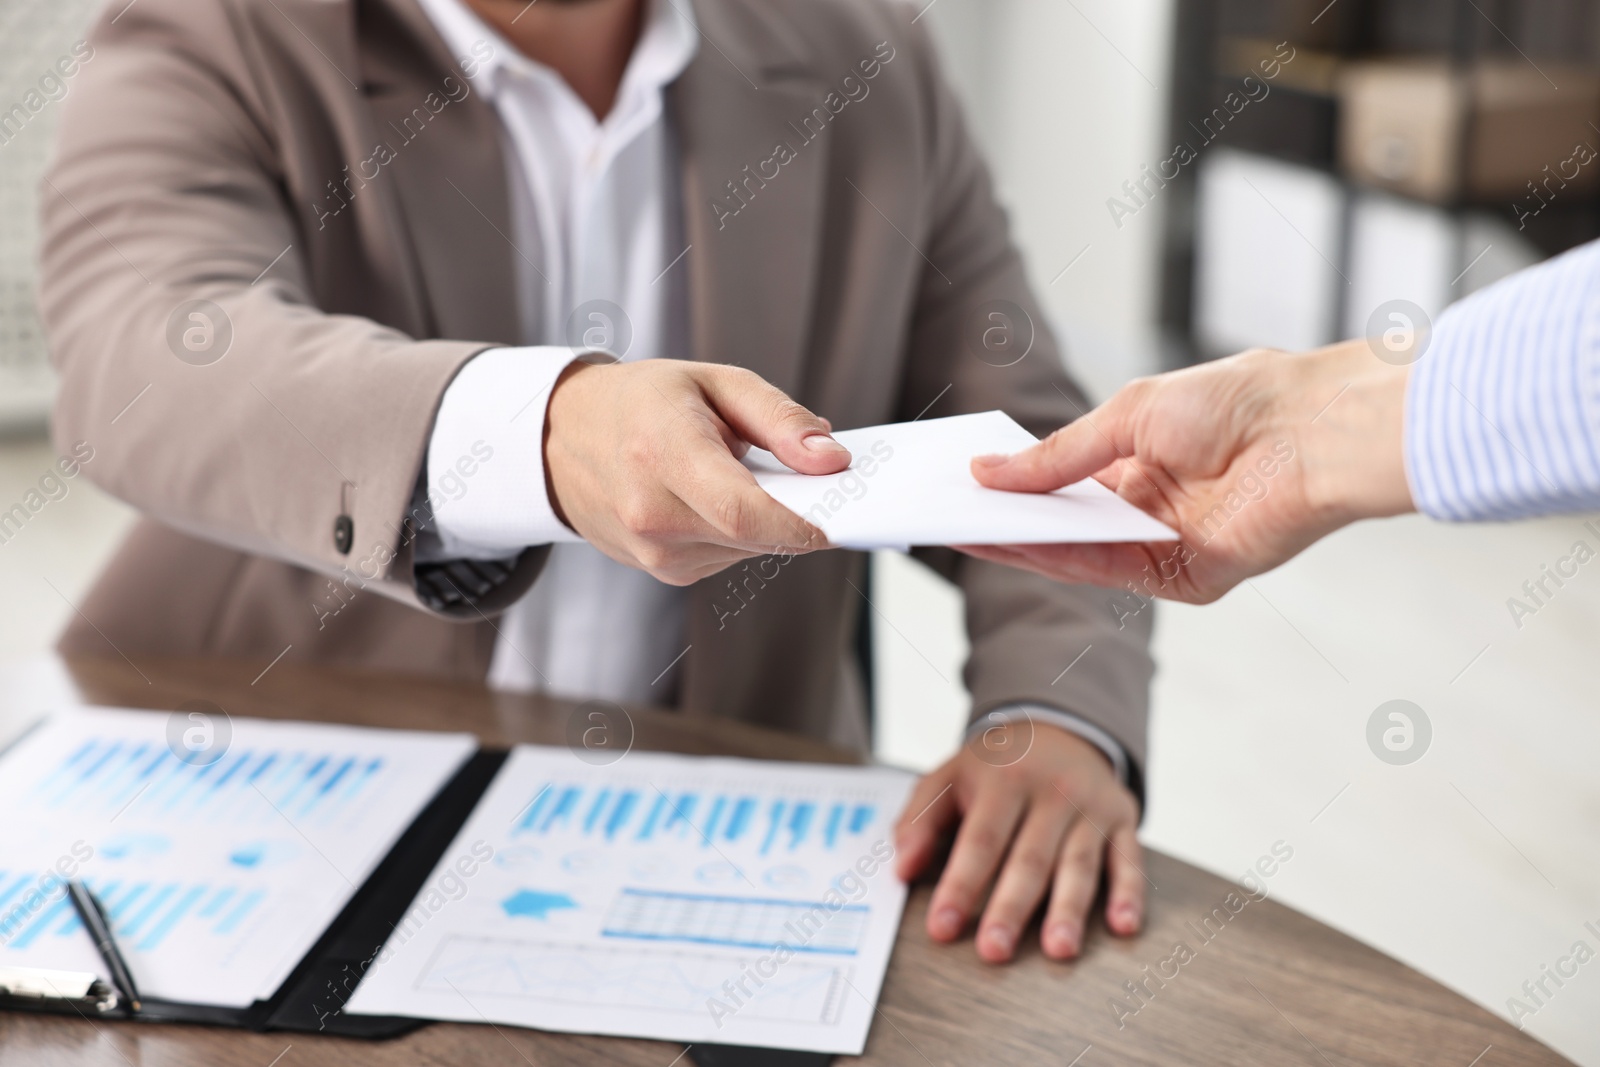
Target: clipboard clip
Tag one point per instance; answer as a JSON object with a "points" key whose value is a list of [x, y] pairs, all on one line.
{"points": [[38, 989]]}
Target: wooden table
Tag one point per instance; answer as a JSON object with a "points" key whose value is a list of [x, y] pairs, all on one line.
{"points": [[1272, 987]]}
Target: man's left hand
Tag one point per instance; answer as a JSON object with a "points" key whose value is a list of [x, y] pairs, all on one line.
{"points": [[1044, 823]]}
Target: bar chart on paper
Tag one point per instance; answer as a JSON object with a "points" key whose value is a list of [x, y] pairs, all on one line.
{"points": [[113, 776], [142, 913], [774, 825], [216, 874], [641, 898]]}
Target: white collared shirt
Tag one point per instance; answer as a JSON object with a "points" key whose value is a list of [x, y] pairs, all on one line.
{"points": [[596, 221]]}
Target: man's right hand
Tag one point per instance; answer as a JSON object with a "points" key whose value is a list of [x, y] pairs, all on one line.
{"points": [[642, 459]]}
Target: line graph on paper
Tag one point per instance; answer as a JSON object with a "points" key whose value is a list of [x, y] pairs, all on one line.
{"points": [[801, 991]]}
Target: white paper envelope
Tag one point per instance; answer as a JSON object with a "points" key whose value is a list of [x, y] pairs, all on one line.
{"points": [[911, 483]]}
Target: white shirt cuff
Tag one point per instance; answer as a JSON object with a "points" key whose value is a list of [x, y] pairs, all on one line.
{"points": [[485, 467], [1043, 713]]}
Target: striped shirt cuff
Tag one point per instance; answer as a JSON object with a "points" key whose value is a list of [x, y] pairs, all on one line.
{"points": [[1503, 409]]}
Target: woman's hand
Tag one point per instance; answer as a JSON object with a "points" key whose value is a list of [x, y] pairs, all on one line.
{"points": [[1250, 459]]}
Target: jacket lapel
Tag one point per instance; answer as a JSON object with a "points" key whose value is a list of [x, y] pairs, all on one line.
{"points": [[754, 188], [445, 159], [751, 220], [753, 182]]}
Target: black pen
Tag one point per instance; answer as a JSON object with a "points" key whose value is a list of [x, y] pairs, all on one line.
{"points": [[94, 920]]}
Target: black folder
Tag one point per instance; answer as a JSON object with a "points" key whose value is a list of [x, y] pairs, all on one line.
{"points": [[312, 998]]}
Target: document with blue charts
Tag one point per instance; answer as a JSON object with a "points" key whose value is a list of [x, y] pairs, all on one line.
{"points": [[671, 897], [220, 848]]}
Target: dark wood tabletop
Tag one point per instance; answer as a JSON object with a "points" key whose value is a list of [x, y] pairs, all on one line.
{"points": [[1268, 986]]}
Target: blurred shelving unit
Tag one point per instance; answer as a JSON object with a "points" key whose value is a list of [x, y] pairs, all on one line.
{"points": [[34, 36], [1349, 153]]}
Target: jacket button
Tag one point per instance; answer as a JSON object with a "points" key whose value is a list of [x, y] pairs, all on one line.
{"points": [[344, 534]]}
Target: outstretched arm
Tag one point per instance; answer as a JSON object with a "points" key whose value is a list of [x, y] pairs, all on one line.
{"points": [[1494, 415], [1250, 459]]}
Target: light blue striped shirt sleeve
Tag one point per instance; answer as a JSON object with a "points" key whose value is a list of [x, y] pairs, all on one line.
{"points": [[1503, 409]]}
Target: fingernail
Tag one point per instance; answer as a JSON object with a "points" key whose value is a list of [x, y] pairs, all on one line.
{"points": [[992, 460], [1064, 938], [946, 922], [821, 442], [1000, 939], [1128, 917]]}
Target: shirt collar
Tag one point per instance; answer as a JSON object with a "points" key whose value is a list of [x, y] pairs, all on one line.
{"points": [[667, 43]]}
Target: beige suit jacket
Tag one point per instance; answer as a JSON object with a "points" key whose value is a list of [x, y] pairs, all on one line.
{"points": [[201, 152]]}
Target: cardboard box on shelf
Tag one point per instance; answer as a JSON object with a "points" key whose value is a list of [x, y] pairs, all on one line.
{"points": [[1527, 127], [1279, 61], [1500, 129], [1402, 125]]}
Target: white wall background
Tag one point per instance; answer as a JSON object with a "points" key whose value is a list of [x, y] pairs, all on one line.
{"points": [[1068, 97]]}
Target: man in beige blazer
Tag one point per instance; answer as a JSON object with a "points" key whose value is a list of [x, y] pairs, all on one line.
{"points": [[278, 238]]}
